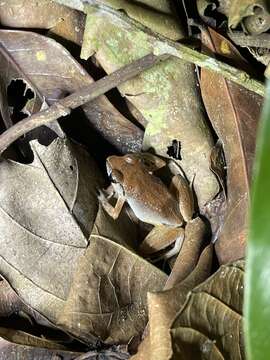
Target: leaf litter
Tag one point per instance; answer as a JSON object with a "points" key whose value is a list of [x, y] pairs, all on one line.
{"points": [[75, 283]]}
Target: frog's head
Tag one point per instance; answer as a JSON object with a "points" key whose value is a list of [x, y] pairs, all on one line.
{"points": [[117, 166]]}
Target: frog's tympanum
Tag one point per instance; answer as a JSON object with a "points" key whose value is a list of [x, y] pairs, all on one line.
{"points": [[133, 181]]}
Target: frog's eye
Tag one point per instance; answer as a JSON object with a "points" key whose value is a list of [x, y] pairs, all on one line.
{"points": [[116, 176], [130, 159], [152, 162]]}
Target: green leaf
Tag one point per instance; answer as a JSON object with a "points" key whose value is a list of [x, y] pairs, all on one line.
{"points": [[257, 292]]}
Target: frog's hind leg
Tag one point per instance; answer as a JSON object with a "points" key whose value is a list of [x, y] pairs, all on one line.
{"points": [[159, 238], [180, 188]]}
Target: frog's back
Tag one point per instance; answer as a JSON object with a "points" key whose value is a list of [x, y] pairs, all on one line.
{"points": [[152, 202]]}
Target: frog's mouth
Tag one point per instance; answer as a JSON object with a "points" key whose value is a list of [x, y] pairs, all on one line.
{"points": [[110, 173], [109, 169]]}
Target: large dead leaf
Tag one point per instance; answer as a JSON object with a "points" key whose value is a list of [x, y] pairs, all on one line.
{"points": [[166, 95], [209, 326], [9, 72], [113, 306], [234, 113], [27, 100], [163, 307], [49, 209], [52, 69], [108, 295], [43, 14], [195, 234]]}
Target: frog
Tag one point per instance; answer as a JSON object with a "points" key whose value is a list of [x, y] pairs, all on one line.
{"points": [[134, 181]]}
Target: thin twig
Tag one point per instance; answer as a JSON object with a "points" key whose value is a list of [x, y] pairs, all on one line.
{"points": [[88, 93], [163, 45]]}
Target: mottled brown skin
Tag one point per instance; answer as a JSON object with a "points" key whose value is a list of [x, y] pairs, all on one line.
{"points": [[145, 193], [133, 182]]}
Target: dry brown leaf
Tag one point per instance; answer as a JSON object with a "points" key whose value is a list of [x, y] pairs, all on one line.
{"points": [[148, 13], [161, 6], [43, 14], [108, 295], [9, 72], [35, 348], [254, 14], [234, 113], [22, 338], [49, 209], [195, 232], [163, 307], [13, 109], [52, 69], [12, 305], [209, 325]]}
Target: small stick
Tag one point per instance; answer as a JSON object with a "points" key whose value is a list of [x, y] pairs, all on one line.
{"points": [[88, 93]]}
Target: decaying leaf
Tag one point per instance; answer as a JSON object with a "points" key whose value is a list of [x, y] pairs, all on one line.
{"points": [[38, 349], [25, 100], [163, 307], [49, 210], [9, 301], [43, 14], [13, 310], [22, 338], [165, 95], [114, 353], [234, 113], [113, 304], [203, 7], [209, 326], [52, 69], [195, 234], [162, 6], [254, 13], [9, 73], [149, 14]]}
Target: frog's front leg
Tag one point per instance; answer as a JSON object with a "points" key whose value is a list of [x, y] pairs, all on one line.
{"points": [[159, 238], [113, 211]]}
